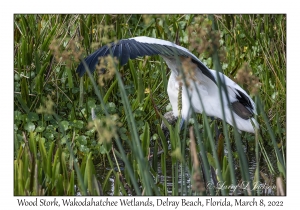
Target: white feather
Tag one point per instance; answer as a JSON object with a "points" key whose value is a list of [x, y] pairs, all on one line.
{"points": [[209, 100], [149, 40]]}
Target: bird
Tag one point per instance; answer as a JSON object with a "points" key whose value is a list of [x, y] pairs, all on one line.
{"points": [[202, 81]]}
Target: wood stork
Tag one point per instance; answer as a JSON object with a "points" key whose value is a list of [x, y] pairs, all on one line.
{"points": [[239, 102]]}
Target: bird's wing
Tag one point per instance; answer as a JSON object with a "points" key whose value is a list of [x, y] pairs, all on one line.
{"points": [[138, 47], [242, 103]]}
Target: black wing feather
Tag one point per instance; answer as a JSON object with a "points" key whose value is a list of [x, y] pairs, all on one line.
{"points": [[172, 51], [136, 49], [151, 49], [91, 61], [125, 54], [130, 48], [143, 50], [117, 50], [132, 53], [111, 50], [160, 49], [241, 110], [243, 99], [243, 107], [204, 70]]}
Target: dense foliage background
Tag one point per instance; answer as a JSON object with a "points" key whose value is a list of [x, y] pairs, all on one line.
{"points": [[60, 149]]}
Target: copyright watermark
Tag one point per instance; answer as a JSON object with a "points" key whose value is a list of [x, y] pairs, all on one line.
{"points": [[241, 186]]}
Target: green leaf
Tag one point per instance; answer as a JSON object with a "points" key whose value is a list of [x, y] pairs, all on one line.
{"points": [[48, 117], [39, 129], [91, 103], [141, 88], [146, 140], [281, 168], [81, 140], [117, 185], [211, 160], [46, 42], [226, 173], [49, 159], [133, 73], [59, 185], [63, 140], [109, 91], [17, 77], [25, 91], [70, 78], [106, 180], [32, 116], [43, 153], [23, 103], [103, 150], [65, 125], [32, 144], [29, 127], [49, 136], [71, 185], [18, 115], [78, 124], [90, 173], [111, 108]]}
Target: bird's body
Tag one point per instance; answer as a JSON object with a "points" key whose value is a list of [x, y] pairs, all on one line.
{"points": [[209, 94], [203, 80]]}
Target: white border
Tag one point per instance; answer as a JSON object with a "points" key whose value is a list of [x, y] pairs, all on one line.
{"points": [[8, 8]]}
